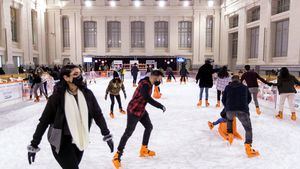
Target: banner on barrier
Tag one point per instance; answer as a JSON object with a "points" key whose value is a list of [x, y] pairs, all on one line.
{"points": [[10, 91]]}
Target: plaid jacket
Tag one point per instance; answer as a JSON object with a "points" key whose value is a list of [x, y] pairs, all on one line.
{"points": [[138, 102]]}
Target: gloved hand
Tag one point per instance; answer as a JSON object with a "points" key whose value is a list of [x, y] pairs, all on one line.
{"points": [[31, 153], [109, 141], [163, 109], [105, 97]]}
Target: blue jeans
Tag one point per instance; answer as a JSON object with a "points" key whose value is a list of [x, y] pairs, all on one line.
{"points": [[206, 93], [220, 120]]}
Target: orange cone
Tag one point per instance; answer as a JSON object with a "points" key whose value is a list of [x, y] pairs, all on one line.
{"points": [[156, 93]]}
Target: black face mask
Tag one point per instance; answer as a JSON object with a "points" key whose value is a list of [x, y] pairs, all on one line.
{"points": [[157, 83], [78, 81]]}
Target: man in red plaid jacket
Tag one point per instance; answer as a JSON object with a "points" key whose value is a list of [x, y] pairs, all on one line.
{"points": [[137, 113]]}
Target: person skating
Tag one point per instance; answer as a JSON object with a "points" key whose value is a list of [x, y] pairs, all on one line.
{"points": [[92, 75], [222, 81], [183, 74], [69, 113], [236, 99], [137, 113], [134, 72], [286, 88], [113, 89], [251, 78], [122, 73], [38, 85], [222, 119], [204, 75], [170, 74]]}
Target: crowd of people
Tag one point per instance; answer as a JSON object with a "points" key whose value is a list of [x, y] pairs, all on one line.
{"points": [[237, 95], [72, 107]]}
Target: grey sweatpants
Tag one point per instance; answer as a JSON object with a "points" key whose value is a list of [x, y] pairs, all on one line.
{"points": [[244, 119], [254, 92]]}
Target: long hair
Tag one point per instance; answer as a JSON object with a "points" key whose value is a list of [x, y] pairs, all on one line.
{"points": [[284, 73], [62, 85], [223, 73]]}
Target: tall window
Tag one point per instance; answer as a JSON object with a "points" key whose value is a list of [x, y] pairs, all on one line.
{"points": [[90, 34], [234, 21], [280, 6], [254, 14], [185, 34], [209, 31], [281, 38], [161, 34], [14, 27], [137, 34], [254, 41], [234, 45], [66, 32], [34, 26], [113, 34]]}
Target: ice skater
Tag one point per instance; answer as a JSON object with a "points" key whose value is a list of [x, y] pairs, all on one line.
{"points": [[204, 75], [137, 113], [69, 114], [222, 81], [251, 78], [134, 73], [286, 88], [170, 74], [222, 119], [92, 75], [183, 74], [236, 99], [113, 89]]}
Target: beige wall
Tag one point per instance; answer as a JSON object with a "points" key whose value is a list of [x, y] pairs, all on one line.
{"points": [[24, 47], [265, 58], [49, 48]]}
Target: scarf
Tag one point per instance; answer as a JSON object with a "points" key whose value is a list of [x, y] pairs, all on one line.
{"points": [[77, 119]]}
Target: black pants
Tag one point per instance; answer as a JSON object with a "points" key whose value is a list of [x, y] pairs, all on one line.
{"points": [[45, 88], [132, 121], [170, 76], [219, 93], [112, 98], [183, 79], [244, 119], [134, 79], [69, 155]]}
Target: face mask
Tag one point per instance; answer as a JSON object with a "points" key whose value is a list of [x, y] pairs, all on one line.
{"points": [[157, 83], [78, 80]]}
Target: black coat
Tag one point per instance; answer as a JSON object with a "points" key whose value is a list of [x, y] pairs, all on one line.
{"points": [[183, 72], [54, 116], [204, 74], [236, 97], [134, 71]]}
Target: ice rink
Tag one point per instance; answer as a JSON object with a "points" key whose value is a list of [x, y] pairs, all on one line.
{"points": [[181, 137]]}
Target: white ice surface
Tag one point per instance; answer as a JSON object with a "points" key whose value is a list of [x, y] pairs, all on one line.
{"points": [[180, 137]]}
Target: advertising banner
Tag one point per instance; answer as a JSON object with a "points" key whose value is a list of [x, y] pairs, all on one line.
{"points": [[10, 91]]}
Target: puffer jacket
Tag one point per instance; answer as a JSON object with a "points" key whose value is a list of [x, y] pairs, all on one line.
{"points": [[114, 87]]}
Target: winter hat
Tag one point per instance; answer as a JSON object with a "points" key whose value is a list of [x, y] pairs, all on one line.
{"points": [[235, 78], [116, 74]]}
